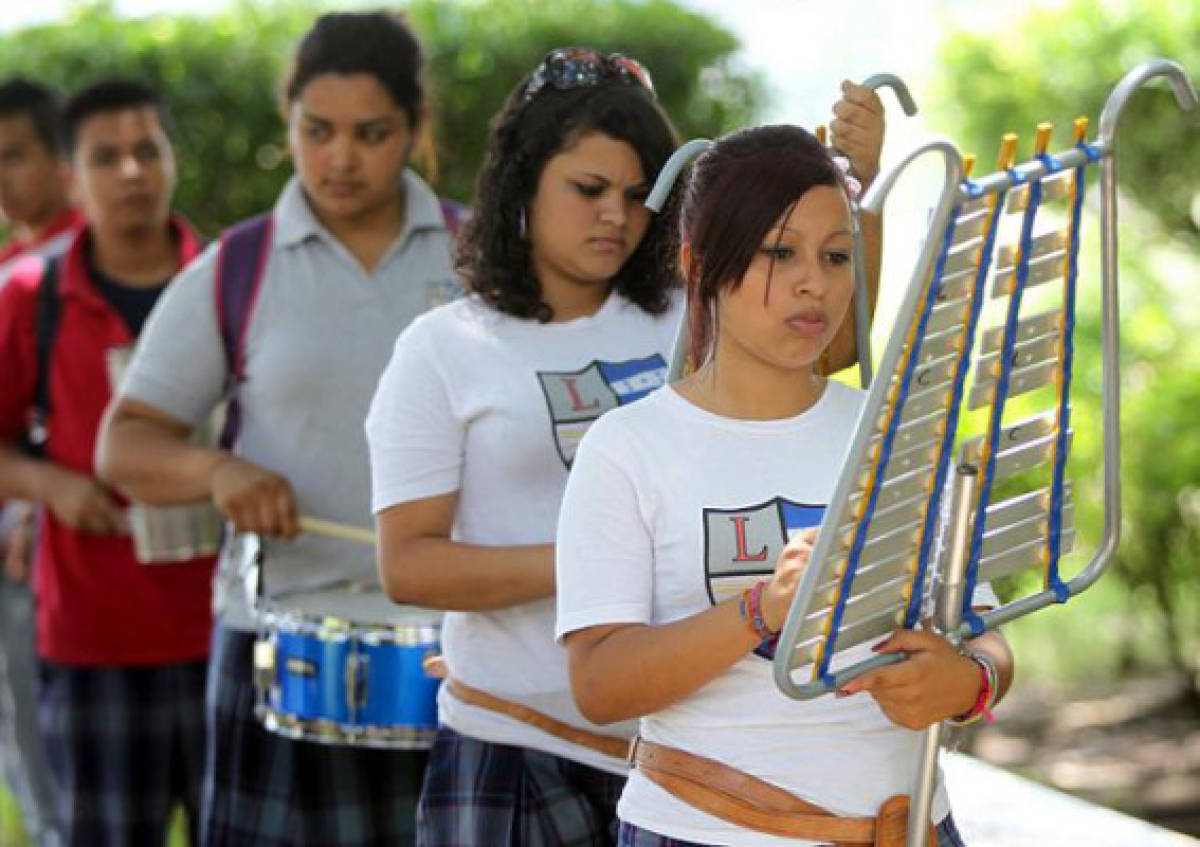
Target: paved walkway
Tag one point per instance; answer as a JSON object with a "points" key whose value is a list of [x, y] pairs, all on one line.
{"points": [[994, 808]]}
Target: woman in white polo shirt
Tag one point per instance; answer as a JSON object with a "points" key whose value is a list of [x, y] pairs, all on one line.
{"points": [[357, 247], [474, 429], [661, 504]]}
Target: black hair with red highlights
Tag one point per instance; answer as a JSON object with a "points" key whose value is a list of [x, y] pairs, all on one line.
{"points": [[735, 193]]}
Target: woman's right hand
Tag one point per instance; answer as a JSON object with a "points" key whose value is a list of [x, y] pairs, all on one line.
{"points": [[254, 499], [789, 567]]}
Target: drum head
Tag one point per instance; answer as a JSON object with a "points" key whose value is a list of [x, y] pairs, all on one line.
{"points": [[361, 606]]}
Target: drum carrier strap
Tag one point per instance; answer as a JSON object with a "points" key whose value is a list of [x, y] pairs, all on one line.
{"points": [[609, 745], [745, 800]]}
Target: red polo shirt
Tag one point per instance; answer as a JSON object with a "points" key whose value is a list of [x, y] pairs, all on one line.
{"points": [[68, 220], [96, 605]]}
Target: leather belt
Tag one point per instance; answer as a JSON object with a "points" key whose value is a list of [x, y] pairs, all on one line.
{"points": [[739, 798], [609, 745]]}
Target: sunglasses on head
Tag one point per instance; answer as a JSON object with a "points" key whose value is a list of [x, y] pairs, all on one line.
{"points": [[582, 67]]}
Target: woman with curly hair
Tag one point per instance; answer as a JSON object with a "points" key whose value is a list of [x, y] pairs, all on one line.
{"points": [[474, 426]]}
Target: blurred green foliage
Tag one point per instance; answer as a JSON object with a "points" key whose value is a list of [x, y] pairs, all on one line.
{"points": [[1057, 65], [221, 72]]}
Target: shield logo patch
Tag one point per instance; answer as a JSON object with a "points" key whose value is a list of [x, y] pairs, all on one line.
{"points": [[741, 545], [576, 398]]}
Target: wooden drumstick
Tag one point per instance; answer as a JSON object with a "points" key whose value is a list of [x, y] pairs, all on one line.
{"points": [[333, 529]]}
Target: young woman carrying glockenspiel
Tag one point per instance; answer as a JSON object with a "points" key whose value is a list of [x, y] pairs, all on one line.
{"points": [[667, 499]]}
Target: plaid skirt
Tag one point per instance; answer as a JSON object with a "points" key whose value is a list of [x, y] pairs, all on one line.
{"points": [[264, 789], [124, 746], [479, 794], [633, 836]]}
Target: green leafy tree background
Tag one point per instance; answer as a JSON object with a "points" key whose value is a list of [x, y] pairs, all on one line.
{"points": [[221, 73]]}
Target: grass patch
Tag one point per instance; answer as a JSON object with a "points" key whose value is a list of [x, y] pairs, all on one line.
{"points": [[12, 833]]}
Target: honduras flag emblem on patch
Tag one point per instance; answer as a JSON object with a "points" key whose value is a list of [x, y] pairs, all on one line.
{"points": [[742, 545], [577, 398]]}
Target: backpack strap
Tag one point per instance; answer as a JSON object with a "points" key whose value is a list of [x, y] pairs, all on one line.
{"points": [[454, 215], [47, 310], [241, 260]]}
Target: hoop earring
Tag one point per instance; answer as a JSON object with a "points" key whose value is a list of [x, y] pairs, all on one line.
{"points": [[522, 224]]}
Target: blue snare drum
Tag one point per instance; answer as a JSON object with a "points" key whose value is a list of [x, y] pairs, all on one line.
{"points": [[345, 667]]}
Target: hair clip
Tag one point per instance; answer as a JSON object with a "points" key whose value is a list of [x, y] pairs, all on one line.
{"points": [[849, 180]]}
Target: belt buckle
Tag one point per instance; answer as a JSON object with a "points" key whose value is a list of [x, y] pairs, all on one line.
{"points": [[631, 756]]}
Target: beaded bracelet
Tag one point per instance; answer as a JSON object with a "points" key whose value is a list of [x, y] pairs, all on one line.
{"points": [[987, 692], [750, 608]]}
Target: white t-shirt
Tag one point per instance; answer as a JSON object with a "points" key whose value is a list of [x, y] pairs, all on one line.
{"points": [[671, 508], [492, 406]]}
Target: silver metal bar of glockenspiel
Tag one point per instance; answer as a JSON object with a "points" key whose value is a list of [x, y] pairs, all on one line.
{"points": [[1021, 558], [1025, 354], [1055, 187], [949, 613], [955, 286], [1028, 328], [1048, 268], [1053, 241]]}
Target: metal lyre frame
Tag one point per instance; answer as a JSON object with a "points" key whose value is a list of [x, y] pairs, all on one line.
{"points": [[869, 572], [862, 305]]}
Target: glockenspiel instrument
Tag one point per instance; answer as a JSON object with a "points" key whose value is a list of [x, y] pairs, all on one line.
{"points": [[981, 359]]}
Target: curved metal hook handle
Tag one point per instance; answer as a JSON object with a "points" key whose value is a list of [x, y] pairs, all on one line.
{"points": [[671, 170], [862, 304], [875, 81], [873, 200], [1185, 93]]}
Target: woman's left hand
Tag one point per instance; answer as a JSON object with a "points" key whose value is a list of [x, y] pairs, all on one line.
{"points": [[935, 682], [857, 130]]}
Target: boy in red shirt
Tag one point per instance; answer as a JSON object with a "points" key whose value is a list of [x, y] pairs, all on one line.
{"points": [[35, 177], [122, 645]]}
